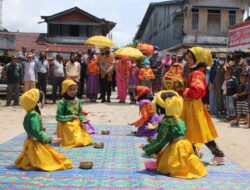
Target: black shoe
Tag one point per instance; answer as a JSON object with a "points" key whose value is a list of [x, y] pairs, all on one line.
{"points": [[8, 104], [103, 101], [15, 104], [108, 101]]}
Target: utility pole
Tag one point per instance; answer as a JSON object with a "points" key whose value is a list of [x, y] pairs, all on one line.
{"points": [[1, 15]]}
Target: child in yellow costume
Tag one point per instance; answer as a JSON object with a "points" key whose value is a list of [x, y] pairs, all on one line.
{"points": [[69, 116], [37, 154], [200, 128], [176, 155]]}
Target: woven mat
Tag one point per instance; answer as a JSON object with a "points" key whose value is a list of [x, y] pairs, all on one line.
{"points": [[118, 166]]}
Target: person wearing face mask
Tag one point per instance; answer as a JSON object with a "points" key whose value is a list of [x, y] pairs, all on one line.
{"points": [[106, 64], [122, 78], [146, 74], [218, 82], [133, 80]]}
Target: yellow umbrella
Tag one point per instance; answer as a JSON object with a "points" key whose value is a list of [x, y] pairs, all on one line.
{"points": [[100, 41], [129, 52]]}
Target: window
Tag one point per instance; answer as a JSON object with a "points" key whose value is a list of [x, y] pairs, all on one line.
{"points": [[213, 22], [195, 19], [232, 17], [74, 30]]}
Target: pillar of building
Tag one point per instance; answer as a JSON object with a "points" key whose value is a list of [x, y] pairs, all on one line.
{"points": [[224, 21], [239, 16], [187, 21], [203, 14]]}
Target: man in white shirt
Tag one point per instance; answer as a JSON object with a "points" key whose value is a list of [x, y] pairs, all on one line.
{"points": [[29, 73], [57, 70], [73, 69]]}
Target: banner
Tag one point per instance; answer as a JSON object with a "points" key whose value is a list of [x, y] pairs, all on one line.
{"points": [[239, 36]]}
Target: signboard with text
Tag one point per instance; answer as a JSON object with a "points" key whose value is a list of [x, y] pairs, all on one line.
{"points": [[239, 36]]}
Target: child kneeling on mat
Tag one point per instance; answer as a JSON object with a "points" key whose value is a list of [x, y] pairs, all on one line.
{"points": [[69, 116], [175, 154], [37, 154]]}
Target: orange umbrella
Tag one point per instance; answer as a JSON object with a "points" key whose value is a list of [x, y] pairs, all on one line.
{"points": [[146, 47]]}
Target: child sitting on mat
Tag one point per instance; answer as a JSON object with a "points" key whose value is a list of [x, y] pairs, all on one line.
{"points": [[176, 156], [37, 154], [147, 124], [69, 116]]}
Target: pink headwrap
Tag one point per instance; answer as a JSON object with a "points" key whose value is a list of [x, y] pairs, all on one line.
{"points": [[168, 60]]}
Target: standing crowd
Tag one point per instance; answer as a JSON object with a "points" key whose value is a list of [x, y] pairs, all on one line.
{"points": [[227, 79]]}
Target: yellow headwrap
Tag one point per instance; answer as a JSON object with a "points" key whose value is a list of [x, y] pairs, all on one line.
{"points": [[29, 99], [66, 84], [173, 106], [202, 55]]}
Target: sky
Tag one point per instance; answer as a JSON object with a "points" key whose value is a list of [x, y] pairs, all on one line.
{"points": [[24, 15]]}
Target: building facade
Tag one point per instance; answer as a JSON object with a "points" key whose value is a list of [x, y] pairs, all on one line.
{"points": [[66, 32], [173, 25]]}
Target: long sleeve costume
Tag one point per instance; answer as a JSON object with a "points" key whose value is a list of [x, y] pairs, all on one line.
{"points": [[175, 154], [148, 118], [70, 130], [37, 154]]}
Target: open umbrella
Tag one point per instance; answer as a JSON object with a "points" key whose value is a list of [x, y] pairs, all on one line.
{"points": [[146, 47], [100, 41], [129, 52]]}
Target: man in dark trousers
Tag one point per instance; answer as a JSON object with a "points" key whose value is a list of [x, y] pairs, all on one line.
{"points": [[12, 74], [106, 67]]}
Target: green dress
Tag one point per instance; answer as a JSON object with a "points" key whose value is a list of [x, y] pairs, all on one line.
{"points": [[67, 108], [37, 154], [70, 130]]}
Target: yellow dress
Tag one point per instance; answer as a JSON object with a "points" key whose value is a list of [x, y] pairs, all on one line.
{"points": [[176, 156], [72, 134], [179, 160], [37, 154], [200, 128], [71, 131]]}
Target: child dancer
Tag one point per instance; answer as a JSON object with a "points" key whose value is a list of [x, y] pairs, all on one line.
{"points": [[37, 154], [133, 81], [175, 153], [200, 128], [147, 124], [69, 116], [122, 71], [146, 74]]}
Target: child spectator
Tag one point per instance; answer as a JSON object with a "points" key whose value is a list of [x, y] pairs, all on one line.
{"points": [[241, 99], [133, 81], [231, 86], [146, 74]]}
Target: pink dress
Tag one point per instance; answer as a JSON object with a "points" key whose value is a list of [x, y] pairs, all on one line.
{"points": [[121, 80]]}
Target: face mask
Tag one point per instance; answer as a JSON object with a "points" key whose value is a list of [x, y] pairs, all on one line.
{"points": [[133, 65], [221, 62], [147, 66], [156, 52]]}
